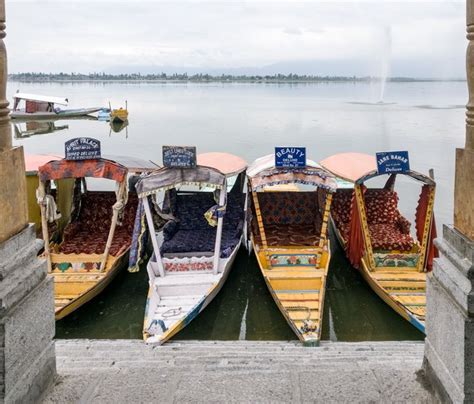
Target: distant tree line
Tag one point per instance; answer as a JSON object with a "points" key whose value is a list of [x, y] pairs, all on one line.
{"points": [[292, 77]]}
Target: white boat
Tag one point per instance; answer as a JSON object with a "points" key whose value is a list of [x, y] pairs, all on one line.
{"points": [[45, 107], [194, 250]]}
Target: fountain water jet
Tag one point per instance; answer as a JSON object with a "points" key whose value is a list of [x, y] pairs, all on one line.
{"points": [[385, 52]]}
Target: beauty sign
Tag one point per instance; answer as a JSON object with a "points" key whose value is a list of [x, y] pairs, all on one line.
{"points": [[290, 157], [179, 156], [82, 148], [393, 162]]}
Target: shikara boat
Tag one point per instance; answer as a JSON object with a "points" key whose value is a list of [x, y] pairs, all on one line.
{"points": [[92, 229], [288, 231], [203, 212], [119, 115], [45, 107], [377, 238]]}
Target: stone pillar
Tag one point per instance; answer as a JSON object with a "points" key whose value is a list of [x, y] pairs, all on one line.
{"points": [[27, 359], [449, 344]]}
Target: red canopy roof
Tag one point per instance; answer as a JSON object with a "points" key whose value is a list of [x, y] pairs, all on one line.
{"points": [[100, 168]]}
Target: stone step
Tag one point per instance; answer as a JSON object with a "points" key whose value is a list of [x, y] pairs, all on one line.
{"points": [[77, 356]]}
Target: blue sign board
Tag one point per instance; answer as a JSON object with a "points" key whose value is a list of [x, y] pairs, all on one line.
{"points": [[393, 162], [82, 148], [290, 157], [179, 156]]}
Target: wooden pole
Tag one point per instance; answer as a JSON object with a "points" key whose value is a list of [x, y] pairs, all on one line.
{"points": [[324, 225], [261, 228], [44, 223], [464, 180], [360, 204], [220, 219], [154, 241], [113, 225]]}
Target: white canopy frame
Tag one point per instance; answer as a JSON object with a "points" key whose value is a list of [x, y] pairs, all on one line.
{"points": [[154, 239]]}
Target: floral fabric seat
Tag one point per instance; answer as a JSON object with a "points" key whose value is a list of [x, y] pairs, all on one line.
{"points": [[191, 233], [89, 233], [388, 229], [289, 218]]}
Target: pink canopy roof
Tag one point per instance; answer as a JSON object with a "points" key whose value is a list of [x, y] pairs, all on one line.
{"points": [[226, 163], [33, 161], [350, 166]]}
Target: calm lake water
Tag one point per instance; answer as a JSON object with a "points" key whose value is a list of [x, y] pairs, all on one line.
{"points": [[427, 119]]}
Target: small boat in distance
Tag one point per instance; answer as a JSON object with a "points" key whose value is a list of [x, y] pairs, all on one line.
{"points": [[376, 236], [202, 208], [289, 210], [119, 115], [45, 107]]}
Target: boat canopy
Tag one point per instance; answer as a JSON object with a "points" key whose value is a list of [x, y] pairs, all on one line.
{"points": [[228, 164], [34, 161], [263, 173], [167, 178], [97, 168], [41, 98], [360, 167], [133, 164], [350, 166]]}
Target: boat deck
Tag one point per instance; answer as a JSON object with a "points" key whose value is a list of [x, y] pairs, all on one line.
{"points": [[298, 290]]}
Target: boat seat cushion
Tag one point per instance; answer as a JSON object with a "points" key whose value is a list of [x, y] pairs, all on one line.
{"points": [[389, 237], [341, 207], [291, 235], [186, 241], [285, 208], [189, 211], [88, 234], [381, 206]]}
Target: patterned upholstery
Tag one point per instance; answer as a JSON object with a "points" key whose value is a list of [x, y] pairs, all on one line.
{"points": [[341, 210], [388, 229], [191, 231], [289, 218], [88, 234]]}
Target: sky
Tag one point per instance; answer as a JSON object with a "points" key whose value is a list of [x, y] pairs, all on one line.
{"points": [[415, 38]]}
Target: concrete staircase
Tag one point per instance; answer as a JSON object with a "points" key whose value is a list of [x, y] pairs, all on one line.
{"points": [[103, 355], [119, 371]]}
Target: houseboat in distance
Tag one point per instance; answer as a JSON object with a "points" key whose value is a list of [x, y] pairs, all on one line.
{"points": [[35, 107]]}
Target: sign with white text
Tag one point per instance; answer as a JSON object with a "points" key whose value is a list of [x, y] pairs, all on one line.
{"points": [[393, 162], [82, 148], [179, 156], [290, 157]]}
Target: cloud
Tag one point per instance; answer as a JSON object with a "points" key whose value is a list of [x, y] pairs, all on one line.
{"points": [[67, 35]]}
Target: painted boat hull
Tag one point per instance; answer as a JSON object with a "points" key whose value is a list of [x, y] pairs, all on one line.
{"points": [[82, 298], [383, 293], [53, 115], [192, 313], [308, 338]]}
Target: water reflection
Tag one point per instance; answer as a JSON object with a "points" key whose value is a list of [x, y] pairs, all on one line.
{"points": [[118, 126], [32, 128]]}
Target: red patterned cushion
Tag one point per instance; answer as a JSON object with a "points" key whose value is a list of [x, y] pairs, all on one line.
{"points": [[381, 206], [341, 207], [88, 235], [389, 237]]}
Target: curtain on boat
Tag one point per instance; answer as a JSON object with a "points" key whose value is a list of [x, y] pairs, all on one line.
{"points": [[139, 239], [355, 241], [421, 210]]}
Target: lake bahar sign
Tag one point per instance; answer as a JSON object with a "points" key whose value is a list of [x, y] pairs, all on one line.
{"points": [[392, 162], [82, 148], [179, 156], [290, 157]]}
